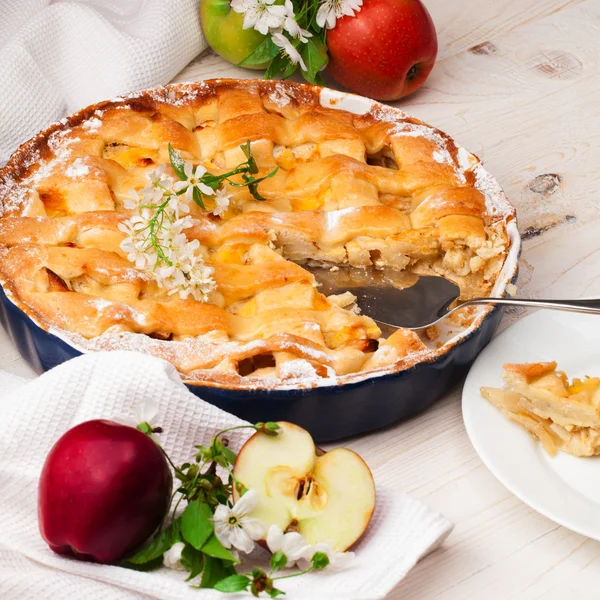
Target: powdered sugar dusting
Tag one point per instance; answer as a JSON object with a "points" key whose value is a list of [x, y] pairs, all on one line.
{"points": [[279, 96], [77, 170], [298, 369], [496, 202], [92, 125]]}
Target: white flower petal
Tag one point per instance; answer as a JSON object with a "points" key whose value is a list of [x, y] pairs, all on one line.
{"points": [[172, 557], [253, 527], [223, 533], [149, 410], [294, 545], [205, 189], [275, 538], [189, 194], [288, 48], [188, 169], [241, 540], [246, 504]]}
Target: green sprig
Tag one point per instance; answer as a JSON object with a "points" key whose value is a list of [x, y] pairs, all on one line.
{"points": [[160, 215], [202, 490], [247, 170]]}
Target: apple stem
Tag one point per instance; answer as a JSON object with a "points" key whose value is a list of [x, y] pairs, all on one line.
{"points": [[175, 468], [233, 428]]}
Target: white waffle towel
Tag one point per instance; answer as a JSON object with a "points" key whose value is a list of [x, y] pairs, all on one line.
{"points": [[59, 56], [106, 385]]}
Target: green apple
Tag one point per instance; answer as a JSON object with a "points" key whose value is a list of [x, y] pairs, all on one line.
{"points": [[224, 33]]}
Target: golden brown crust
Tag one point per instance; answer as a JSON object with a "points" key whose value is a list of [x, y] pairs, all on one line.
{"points": [[378, 188], [530, 371]]}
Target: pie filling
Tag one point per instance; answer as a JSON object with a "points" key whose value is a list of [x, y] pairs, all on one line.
{"points": [[562, 415], [380, 190]]}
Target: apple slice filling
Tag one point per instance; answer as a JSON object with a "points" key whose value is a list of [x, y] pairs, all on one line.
{"points": [[327, 498]]}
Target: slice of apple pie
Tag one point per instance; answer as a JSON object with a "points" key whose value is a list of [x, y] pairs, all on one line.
{"points": [[562, 415]]}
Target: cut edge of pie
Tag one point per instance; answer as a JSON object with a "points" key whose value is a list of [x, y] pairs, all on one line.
{"points": [[360, 184], [563, 415]]}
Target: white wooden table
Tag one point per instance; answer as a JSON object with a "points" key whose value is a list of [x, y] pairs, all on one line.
{"points": [[518, 83]]}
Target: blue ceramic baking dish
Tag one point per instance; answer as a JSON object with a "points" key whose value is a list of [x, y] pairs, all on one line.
{"points": [[330, 412]]}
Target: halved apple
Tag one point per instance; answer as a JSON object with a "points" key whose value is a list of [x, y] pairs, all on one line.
{"points": [[327, 497]]}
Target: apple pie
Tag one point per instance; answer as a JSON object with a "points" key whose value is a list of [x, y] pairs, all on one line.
{"points": [[352, 184], [562, 415]]}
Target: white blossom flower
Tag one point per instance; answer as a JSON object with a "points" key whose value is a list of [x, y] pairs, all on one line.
{"points": [[154, 235], [288, 48], [172, 557], [291, 25], [337, 560], [177, 207], [261, 15], [332, 10], [156, 176], [136, 248], [292, 544], [194, 176], [234, 528], [201, 282], [144, 412], [222, 199], [132, 201]]}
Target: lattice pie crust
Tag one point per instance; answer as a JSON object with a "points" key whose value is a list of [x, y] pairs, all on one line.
{"points": [[352, 190]]}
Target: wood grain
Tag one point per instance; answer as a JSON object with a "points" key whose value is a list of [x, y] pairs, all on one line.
{"points": [[517, 82]]}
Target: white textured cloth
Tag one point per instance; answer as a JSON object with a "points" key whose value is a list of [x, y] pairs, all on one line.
{"points": [[106, 385], [57, 57]]}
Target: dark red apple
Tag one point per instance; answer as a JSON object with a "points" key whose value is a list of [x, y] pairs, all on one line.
{"points": [[104, 490], [386, 51]]}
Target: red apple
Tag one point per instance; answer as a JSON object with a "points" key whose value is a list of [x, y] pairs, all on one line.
{"points": [[386, 51], [104, 490]]}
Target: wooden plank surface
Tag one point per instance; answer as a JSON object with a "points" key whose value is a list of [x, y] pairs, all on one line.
{"points": [[518, 83]]}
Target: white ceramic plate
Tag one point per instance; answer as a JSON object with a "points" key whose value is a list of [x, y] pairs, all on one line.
{"points": [[564, 488]]}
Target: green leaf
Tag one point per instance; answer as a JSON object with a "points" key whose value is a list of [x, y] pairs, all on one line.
{"points": [[247, 150], [279, 560], [315, 57], [155, 563], [229, 455], [214, 548], [214, 571], [212, 181], [197, 195], [233, 583], [277, 65], [263, 53], [196, 523], [275, 592], [289, 70], [319, 80], [177, 163], [192, 561], [158, 546]]}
